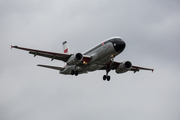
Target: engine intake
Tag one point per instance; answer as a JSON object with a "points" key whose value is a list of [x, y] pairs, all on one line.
{"points": [[124, 67], [75, 59], [79, 56]]}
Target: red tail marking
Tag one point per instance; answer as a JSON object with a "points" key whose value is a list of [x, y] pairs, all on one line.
{"points": [[11, 46], [66, 51]]}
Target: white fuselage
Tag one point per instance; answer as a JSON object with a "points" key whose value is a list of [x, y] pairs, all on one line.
{"points": [[101, 55]]}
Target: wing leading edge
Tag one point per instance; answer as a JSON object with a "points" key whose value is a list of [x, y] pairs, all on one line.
{"points": [[52, 55]]}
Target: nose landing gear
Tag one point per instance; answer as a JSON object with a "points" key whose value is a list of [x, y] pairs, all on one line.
{"points": [[107, 76], [108, 69]]}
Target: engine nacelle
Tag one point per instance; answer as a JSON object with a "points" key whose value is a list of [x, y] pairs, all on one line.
{"points": [[75, 59], [124, 67]]}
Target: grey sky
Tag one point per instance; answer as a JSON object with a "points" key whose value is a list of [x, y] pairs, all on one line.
{"points": [[150, 30]]}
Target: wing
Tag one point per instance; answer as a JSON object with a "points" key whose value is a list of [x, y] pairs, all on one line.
{"points": [[136, 69], [115, 65], [52, 55]]}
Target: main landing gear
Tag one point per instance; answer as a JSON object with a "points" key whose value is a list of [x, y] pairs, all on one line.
{"points": [[108, 68], [106, 77], [74, 72]]}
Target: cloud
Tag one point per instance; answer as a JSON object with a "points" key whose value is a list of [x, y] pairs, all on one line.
{"points": [[150, 30]]}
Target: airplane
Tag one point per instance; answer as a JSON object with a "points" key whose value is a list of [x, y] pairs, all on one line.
{"points": [[100, 57]]}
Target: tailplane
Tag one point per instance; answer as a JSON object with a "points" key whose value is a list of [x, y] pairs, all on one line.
{"points": [[52, 67], [65, 47]]}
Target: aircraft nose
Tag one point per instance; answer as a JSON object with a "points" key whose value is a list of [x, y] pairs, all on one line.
{"points": [[119, 45]]}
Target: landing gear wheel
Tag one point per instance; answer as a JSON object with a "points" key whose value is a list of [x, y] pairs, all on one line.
{"points": [[76, 73], [108, 78], [72, 72], [104, 77]]}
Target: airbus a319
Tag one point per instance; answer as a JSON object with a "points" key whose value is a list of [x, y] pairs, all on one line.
{"points": [[100, 57]]}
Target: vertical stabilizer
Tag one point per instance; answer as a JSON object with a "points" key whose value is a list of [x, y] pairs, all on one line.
{"points": [[65, 47]]}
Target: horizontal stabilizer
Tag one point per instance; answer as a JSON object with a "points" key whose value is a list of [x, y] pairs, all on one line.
{"points": [[52, 67]]}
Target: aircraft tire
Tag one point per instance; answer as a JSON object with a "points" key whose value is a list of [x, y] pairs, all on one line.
{"points": [[72, 72], [76, 73], [108, 78], [104, 77]]}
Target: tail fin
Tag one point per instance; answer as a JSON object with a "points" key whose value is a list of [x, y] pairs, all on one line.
{"points": [[65, 47]]}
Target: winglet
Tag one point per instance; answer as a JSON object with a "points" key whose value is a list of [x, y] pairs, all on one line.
{"points": [[13, 46], [152, 70]]}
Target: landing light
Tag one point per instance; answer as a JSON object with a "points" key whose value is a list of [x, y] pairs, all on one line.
{"points": [[84, 62]]}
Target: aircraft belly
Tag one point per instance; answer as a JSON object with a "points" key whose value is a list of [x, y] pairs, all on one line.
{"points": [[69, 68], [93, 67]]}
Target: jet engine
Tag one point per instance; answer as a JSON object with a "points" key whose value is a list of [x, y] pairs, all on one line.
{"points": [[75, 59], [124, 67]]}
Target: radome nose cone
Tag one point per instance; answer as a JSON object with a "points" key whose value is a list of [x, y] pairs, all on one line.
{"points": [[119, 45]]}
